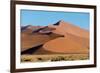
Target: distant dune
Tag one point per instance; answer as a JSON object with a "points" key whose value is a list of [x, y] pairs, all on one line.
{"points": [[61, 37]]}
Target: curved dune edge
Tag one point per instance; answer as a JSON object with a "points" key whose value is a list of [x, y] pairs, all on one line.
{"points": [[64, 45], [29, 41]]}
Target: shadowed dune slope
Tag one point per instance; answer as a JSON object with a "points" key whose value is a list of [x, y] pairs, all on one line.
{"points": [[29, 41]]}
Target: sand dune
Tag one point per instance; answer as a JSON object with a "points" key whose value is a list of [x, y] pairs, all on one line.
{"points": [[61, 37], [64, 45], [29, 40], [64, 28]]}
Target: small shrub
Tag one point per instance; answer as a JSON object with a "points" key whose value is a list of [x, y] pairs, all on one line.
{"points": [[26, 59], [59, 58], [39, 59]]}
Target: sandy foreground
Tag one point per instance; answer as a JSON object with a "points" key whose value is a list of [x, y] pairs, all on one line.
{"points": [[55, 57]]}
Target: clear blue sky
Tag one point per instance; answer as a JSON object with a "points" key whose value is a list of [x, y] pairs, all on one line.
{"points": [[43, 18]]}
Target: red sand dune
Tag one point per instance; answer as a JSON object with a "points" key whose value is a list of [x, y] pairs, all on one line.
{"points": [[65, 45], [33, 40], [64, 28], [75, 40]]}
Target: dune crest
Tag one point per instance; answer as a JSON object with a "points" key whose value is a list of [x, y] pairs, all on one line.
{"points": [[64, 28]]}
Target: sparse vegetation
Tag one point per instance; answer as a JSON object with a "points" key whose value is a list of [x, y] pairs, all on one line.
{"points": [[52, 58]]}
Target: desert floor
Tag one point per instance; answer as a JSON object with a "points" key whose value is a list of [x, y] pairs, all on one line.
{"points": [[52, 58]]}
